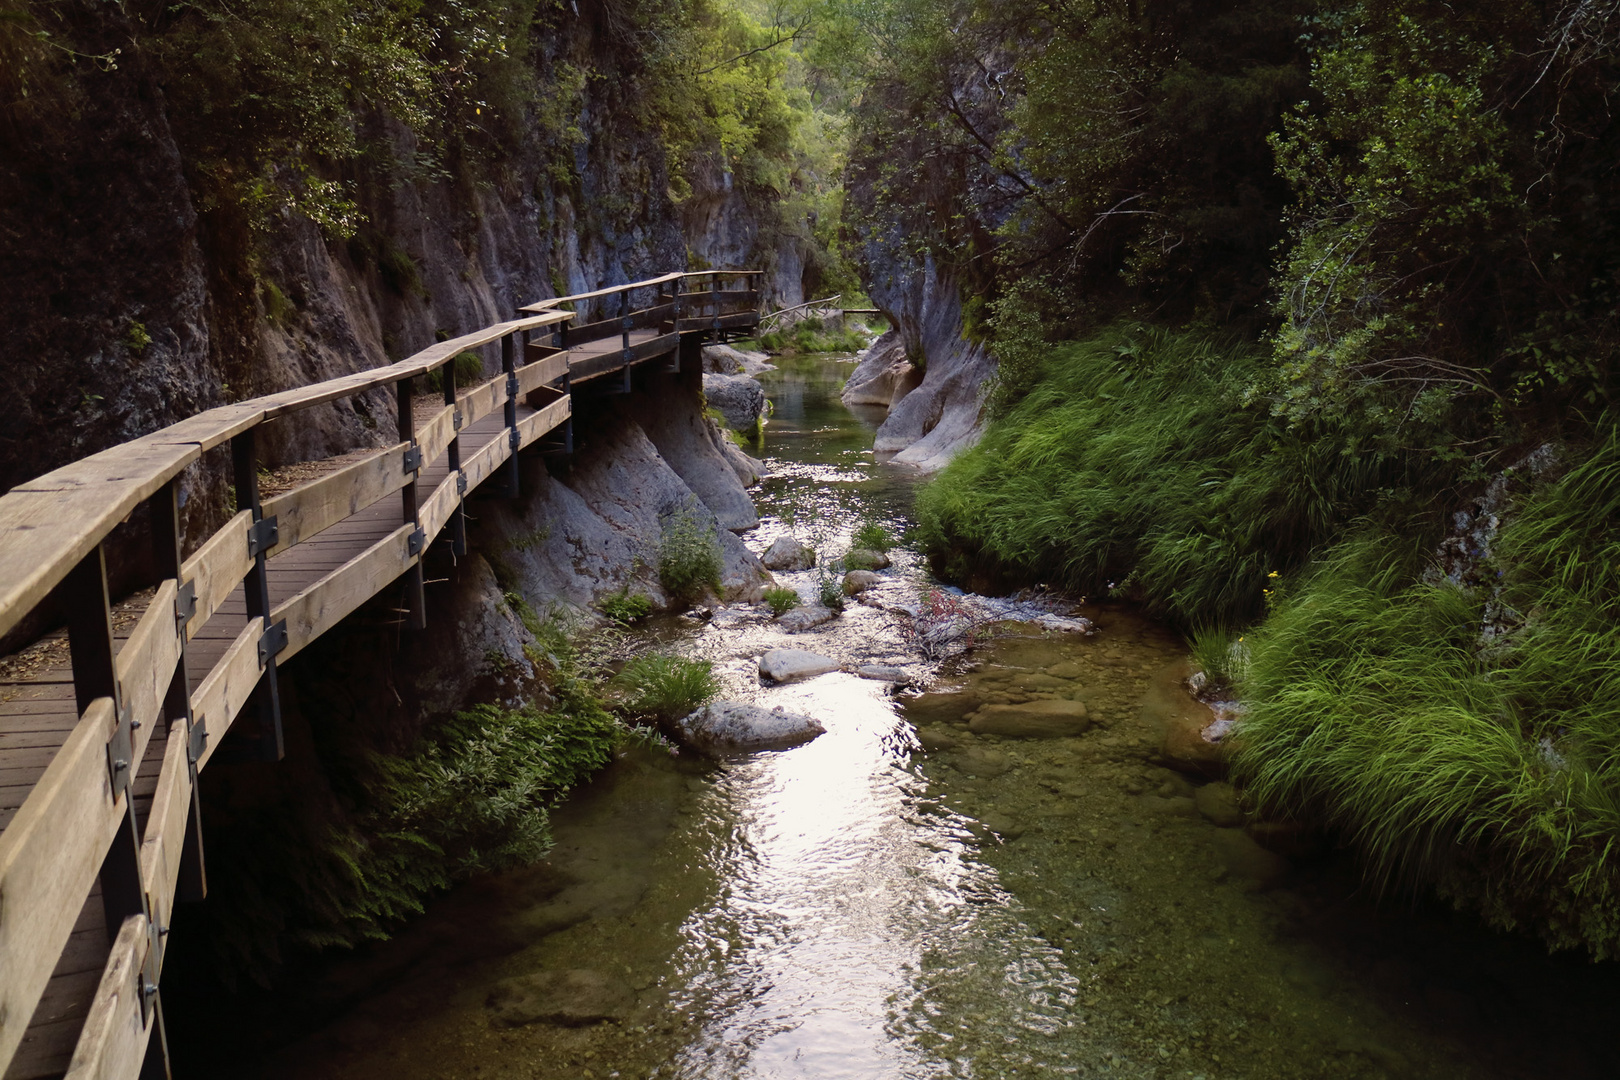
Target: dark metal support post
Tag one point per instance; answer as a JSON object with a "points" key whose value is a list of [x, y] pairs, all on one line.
{"points": [[458, 520], [415, 598], [256, 589], [165, 506], [90, 642], [509, 416]]}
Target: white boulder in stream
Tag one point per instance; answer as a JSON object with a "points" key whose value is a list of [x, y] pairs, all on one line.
{"points": [[791, 665], [732, 727], [801, 619], [788, 554]]}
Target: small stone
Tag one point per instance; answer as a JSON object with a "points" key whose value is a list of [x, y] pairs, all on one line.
{"points": [[1220, 804], [858, 581], [936, 738], [1068, 669], [788, 554], [573, 998], [1033, 720], [801, 619], [1002, 825], [731, 727], [791, 665], [883, 673]]}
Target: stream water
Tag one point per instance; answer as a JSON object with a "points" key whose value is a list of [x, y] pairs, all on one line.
{"points": [[861, 907]]}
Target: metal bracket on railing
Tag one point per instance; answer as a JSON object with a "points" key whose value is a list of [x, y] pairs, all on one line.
{"points": [[514, 439], [627, 357], [414, 545], [272, 642], [455, 420], [461, 483], [147, 977], [196, 740], [628, 323], [121, 753], [511, 385], [413, 459], [262, 536], [185, 602]]}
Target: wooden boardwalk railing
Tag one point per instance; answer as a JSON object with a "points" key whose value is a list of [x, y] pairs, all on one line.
{"points": [[100, 831]]}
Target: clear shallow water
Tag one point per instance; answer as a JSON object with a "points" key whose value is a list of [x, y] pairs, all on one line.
{"points": [[861, 907]]}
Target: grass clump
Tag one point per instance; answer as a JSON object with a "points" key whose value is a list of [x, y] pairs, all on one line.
{"points": [[781, 599], [872, 536], [665, 688], [1485, 765], [1135, 465], [624, 608], [1221, 654], [688, 556], [831, 592]]}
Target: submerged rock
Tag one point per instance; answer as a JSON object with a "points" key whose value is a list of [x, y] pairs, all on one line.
{"points": [[858, 581], [572, 998], [1219, 803], [788, 554], [732, 727], [791, 665], [1054, 719], [801, 619], [983, 761]]}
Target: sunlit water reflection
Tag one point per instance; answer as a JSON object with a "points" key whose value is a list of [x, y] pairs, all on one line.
{"points": [[857, 907]]}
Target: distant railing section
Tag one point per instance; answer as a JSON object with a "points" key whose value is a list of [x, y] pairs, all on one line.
{"points": [[78, 822]]}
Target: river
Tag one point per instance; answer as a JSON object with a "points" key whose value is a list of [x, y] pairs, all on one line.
{"points": [[857, 907]]}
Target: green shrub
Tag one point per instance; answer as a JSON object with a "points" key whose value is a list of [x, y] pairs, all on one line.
{"points": [[623, 608], [812, 335], [781, 599], [1484, 765], [666, 688], [688, 557], [872, 536], [1135, 464]]}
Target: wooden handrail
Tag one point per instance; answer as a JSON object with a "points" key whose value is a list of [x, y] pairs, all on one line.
{"points": [[610, 290]]}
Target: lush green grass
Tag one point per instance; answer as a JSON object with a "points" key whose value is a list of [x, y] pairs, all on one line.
{"points": [[831, 592], [781, 599], [666, 688], [1487, 767], [1134, 466]]}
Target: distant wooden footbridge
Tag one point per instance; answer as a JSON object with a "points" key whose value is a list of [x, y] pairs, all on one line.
{"points": [[101, 741]]}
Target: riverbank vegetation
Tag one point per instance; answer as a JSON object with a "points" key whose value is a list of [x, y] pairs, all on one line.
{"points": [[1307, 327]]}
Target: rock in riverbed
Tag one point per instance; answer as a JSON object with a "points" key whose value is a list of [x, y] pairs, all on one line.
{"points": [[732, 727], [739, 399], [858, 581], [788, 554], [884, 673], [791, 665], [1053, 719], [804, 618], [571, 998]]}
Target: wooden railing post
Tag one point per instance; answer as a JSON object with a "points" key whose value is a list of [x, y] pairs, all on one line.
{"points": [[509, 415], [256, 589], [166, 553], [415, 599]]}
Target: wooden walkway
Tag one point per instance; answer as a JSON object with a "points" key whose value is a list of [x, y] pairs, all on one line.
{"points": [[93, 853]]}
